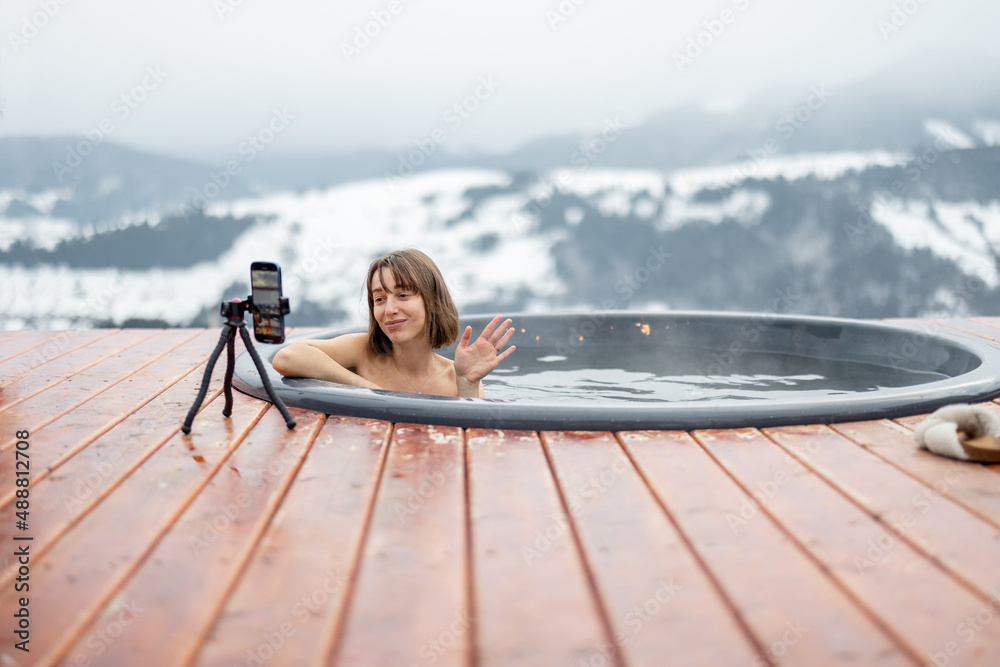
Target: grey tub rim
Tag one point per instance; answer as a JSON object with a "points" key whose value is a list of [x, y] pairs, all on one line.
{"points": [[979, 384]]}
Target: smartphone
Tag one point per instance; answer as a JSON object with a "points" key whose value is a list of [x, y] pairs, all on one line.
{"points": [[265, 287]]}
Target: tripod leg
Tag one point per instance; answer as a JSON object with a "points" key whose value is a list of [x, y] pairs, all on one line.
{"points": [[266, 381], [203, 390], [227, 385]]}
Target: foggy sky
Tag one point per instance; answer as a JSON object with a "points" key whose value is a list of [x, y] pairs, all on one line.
{"points": [[194, 78]]}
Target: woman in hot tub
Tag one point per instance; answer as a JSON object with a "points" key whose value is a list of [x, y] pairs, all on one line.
{"points": [[410, 314]]}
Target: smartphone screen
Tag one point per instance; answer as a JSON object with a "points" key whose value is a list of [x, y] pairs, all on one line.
{"points": [[265, 285]]}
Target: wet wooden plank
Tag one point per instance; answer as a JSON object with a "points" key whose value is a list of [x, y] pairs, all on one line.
{"points": [[46, 363], [989, 321], [658, 599], [25, 342], [61, 498], [972, 328], [979, 490], [11, 348], [57, 374], [534, 604], [178, 589], [291, 598], [93, 400], [415, 557], [82, 572], [909, 510], [794, 610], [920, 605]]}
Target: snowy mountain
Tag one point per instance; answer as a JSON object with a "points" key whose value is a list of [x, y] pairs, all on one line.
{"points": [[854, 234], [877, 199]]}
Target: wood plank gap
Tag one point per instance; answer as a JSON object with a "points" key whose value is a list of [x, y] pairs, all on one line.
{"points": [[259, 533], [905, 536], [972, 329], [28, 343], [470, 571], [5, 344], [99, 496], [762, 650], [174, 552], [844, 430], [337, 631], [89, 338], [98, 360], [911, 651], [988, 321], [82, 620], [607, 626], [85, 442], [295, 582]]}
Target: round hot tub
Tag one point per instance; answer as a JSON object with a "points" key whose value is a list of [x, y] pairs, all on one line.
{"points": [[684, 370]]}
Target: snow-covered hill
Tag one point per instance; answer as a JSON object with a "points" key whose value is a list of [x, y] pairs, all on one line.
{"points": [[870, 234]]}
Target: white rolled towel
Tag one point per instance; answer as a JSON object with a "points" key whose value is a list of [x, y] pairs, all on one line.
{"points": [[946, 429]]}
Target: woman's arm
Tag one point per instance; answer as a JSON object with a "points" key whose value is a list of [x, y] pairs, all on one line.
{"points": [[324, 360]]}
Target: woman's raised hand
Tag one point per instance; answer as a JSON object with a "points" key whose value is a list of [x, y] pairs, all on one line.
{"points": [[475, 360]]}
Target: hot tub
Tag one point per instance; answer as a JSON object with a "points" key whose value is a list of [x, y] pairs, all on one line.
{"points": [[682, 370]]}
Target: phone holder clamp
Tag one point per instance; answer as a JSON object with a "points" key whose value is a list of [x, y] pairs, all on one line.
{"points": [[233, 312]]}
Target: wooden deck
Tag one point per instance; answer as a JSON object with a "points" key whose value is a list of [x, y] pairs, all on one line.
{"points": [[355, 542]]}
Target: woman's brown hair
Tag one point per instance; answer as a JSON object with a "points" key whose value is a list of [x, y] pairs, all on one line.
{"points": [[415, 271]]}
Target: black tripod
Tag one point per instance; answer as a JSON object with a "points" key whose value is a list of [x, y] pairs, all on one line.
{"points": [[233, 312]]}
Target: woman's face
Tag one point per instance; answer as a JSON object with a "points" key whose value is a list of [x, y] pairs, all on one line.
{"points": [[399, 312]]}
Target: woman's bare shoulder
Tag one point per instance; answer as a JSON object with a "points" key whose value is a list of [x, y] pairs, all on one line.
{"points": [[445, 377]]}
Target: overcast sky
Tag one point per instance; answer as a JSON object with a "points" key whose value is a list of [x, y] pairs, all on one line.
{"points": [[199, 76]]}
